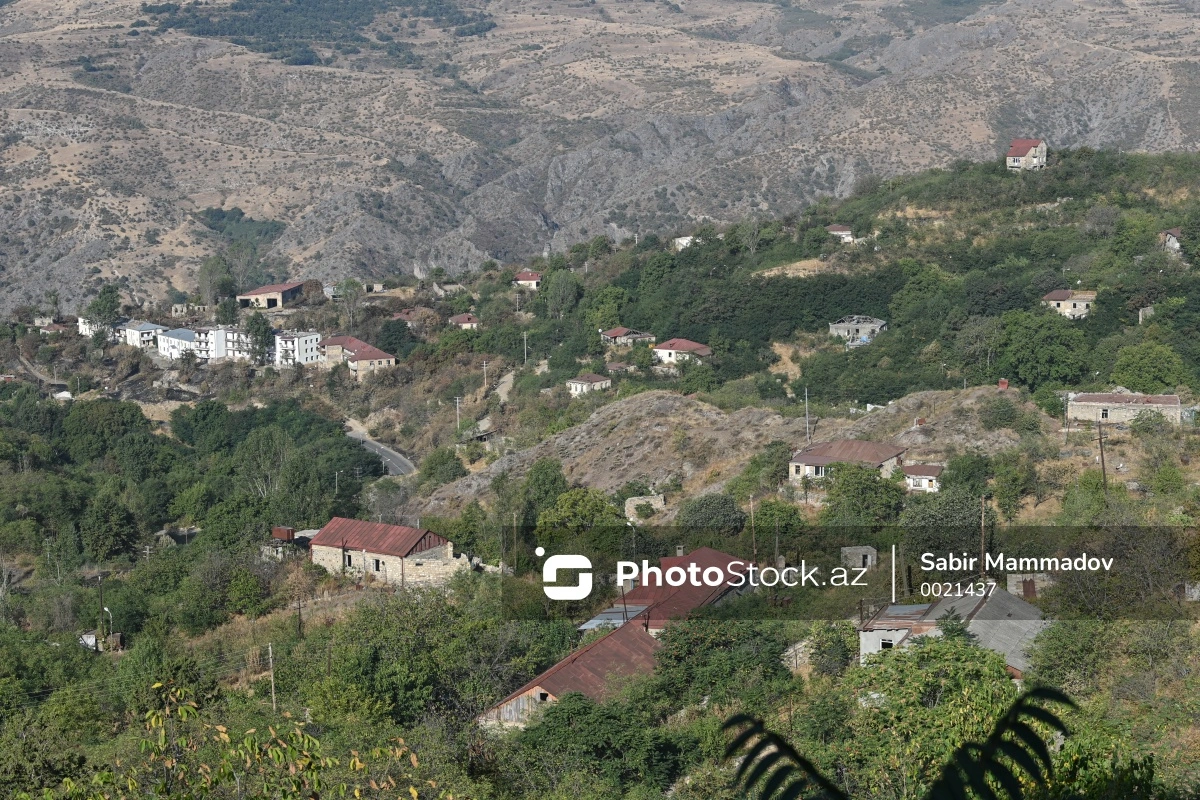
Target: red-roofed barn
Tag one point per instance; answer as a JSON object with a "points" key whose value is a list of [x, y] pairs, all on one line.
{"points": [[275, 295]]}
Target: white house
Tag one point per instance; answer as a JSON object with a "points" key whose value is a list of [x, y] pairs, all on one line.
{"points": [[137, 333], [466, 322], [173, 344], [1070, 303], [588, 382], [297, 347], [1169, 239], [676, 351], [857, 329], [842, 232], [923, 477], [1026, 154], [528, 279], [625, 337], [813, 461], [88, 328]]}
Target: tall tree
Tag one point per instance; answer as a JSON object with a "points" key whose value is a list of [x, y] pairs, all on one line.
{"points": [[104, 310], [262, 338]]}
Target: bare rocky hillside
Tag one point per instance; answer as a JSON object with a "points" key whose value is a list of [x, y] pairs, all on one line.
{"points": [[659, 435], [565, 121]]}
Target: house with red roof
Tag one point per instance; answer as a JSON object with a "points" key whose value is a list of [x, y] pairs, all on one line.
{"points": [[363, 359], [1070, 303], [676, 351], [813, 461], [601, 667], [466, 322], [393, 554], [276, 295], [842, 232], [625, 337], [528, 279], [1026, 154]]}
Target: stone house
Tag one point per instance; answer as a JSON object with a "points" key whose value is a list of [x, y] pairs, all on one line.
{"points": [[392, 554], [588, 382], [1169, 239], [1070, 303], [276, 295], [363, 359], [813, 461], [857, 329], [1026, 154], [1122, 406], [625, 337]]}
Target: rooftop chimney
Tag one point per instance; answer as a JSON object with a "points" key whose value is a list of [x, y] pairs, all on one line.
{"points": [[678, 550]]}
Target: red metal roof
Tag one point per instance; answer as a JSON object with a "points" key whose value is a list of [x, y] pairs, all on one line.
{"points": [[527, 275], [1176, 232], [1118, 399], [1057, 294], [676, 602], [615, 332], [274, 287], [376, 537], [923, 470], [357, 348], [838, 228], [627, 651], [1021, 147], [848, 451], [686, 346], [460, 319]]}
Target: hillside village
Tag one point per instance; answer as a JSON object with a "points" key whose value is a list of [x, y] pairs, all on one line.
{"points": [[901, 373]]}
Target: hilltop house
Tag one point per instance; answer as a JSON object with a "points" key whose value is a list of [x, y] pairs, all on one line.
{"points": [[363, 359], [276, 295], [466, 322], [1026, 154], [297, 347], [923, 477], [527, 279], [1122, 406], [1169, 239], [812, 461], [1070, 303], [393, 554], [857, 329], [842, 232], [1000, 622], [676, 351], [588, 382], [624, 337], [139, 334]]}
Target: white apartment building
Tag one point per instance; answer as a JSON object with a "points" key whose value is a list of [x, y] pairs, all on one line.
{"points": [[137, 333], [297, 347]]}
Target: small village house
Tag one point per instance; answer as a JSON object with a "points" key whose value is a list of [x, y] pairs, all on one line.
{"points": [[140, 334], [923, 477], [681, 242], [88, 328], [860, 557], [527, 279], [1169, 240], [857, 329], [391, 554], [841, 232], [1122, 406], [813, 461], [1070, 303], [466, 322], [297, 347], [999, 621], [676, 351], [588, 382], [1026, 154], [276, 295], [54, 328], [363, 359], [625, 337]]}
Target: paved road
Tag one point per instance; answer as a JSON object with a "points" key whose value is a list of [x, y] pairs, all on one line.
{"points": [[37, 373], [396, 463]]}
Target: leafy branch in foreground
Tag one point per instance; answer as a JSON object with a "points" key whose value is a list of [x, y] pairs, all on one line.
{"points": [[976, 769]]}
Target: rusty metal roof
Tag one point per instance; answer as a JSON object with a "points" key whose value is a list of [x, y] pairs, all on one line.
{"points": [[271, 288], [627, 651], [376, 537], [1119, 399], [849, 451], [923, 470]]}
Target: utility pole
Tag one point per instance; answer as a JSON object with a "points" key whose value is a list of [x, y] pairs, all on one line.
{"points": [[100, 583], [271, 662], [147, 549], [457, 415], [982, 534], [299, 619], [485, 383], [1100, 440], [807, 430], [335, 481], [525, 337], [753, 532]]}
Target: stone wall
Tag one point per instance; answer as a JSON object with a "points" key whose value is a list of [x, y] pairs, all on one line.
{"points": [[656, 501], [433, 567]]}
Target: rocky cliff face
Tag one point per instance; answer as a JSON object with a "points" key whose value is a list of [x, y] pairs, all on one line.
{"points": [[565, 122]]}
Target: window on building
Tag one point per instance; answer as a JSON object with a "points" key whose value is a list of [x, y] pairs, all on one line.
{"points": [[819, 472], [347, 559], [1104, 413], [886, 644], [543, 696], [377, 565]]}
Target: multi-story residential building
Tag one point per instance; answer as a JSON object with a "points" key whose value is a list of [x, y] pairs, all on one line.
{"points": [[297, 347], [137, 333]]}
